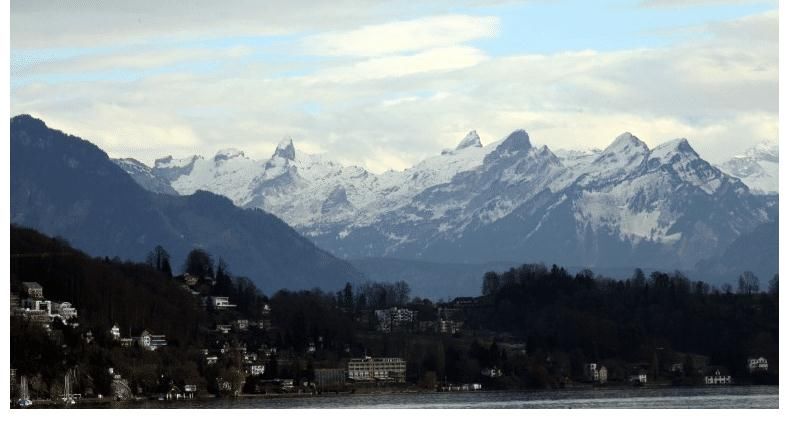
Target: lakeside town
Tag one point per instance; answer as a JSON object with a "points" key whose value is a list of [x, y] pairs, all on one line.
{"points": [[370, 338]]}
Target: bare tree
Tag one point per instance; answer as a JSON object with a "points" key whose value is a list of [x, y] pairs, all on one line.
{"points": [[748, 283]]}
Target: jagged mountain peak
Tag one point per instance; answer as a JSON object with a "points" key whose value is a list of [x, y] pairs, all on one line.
{"points": [[226, 154], [625, 152], [470, 140], [285, 149], [672, 149], [546, 152], [518, 137], [170, 162], [763, 151], [510, 197], [757, 167], [516, 143], [626, 142]]}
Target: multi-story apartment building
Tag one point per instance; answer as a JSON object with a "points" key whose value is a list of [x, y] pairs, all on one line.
{"points": [[391, 369]]}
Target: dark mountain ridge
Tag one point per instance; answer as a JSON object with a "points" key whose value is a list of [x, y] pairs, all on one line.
{"points": [[65, 186]]}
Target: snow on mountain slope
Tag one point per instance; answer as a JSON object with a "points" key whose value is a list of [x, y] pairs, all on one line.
{"points": [[636, 191], [143, 175], [511, 172], [303, 188], [508, 199], [686, 163], [227, 173], [573, 158], [757, 167]]}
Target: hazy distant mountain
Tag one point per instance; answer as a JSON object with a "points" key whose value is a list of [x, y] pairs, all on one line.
{"points": [[65, 186], [509, 200], [755, 251], [434, 280], [757, 167]]}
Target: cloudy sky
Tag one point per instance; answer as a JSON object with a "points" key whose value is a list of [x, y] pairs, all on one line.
{"points": [[385, 84]]}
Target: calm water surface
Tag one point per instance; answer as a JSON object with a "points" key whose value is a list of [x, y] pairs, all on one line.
{"points": [[684, 397]]}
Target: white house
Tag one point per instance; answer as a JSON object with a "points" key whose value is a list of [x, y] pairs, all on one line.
{"points": [[64, 310], [189, 391], [602, 375], [591, 372], [639, 377], [256, 369], [757, 364], [41, 305], [150, 341], [717, 376], [115, 332], [33, 290], [221, 302]]}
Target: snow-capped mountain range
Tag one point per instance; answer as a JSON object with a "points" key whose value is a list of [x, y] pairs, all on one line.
{"points": [[627, 205], [757, 167]]}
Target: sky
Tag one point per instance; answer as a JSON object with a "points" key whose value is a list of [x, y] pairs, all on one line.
{"points": [[386, 84]]}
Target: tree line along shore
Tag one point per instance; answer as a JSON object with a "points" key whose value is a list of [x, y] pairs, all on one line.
{"points": [[143, 330]]}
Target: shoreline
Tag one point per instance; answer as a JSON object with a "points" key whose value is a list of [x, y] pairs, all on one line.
{"points": [[406, 391]]}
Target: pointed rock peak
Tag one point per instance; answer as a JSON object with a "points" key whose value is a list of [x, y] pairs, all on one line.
{"points": [[170, 162], [678, 145], [517, 139], [546, 152], [671, 148], [226, 154], [471, 140], [515, 144], [683, 145], [626, 142], [285, 149]]}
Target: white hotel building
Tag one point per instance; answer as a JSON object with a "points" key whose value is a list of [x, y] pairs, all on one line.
{"points": [[390, 369]]}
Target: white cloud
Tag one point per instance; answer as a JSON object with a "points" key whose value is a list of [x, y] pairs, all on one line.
{"points": [[430, 61], [91, 23], [120, 130], [126, 59], [691, 3], [403, 36], [391, 110]]}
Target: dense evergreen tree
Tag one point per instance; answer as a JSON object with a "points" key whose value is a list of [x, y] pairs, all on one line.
{"points": [[199, 263], [603, 318], [160, 260]]}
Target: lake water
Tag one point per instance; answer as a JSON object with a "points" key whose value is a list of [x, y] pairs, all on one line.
{"points": [[682, 397]]}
